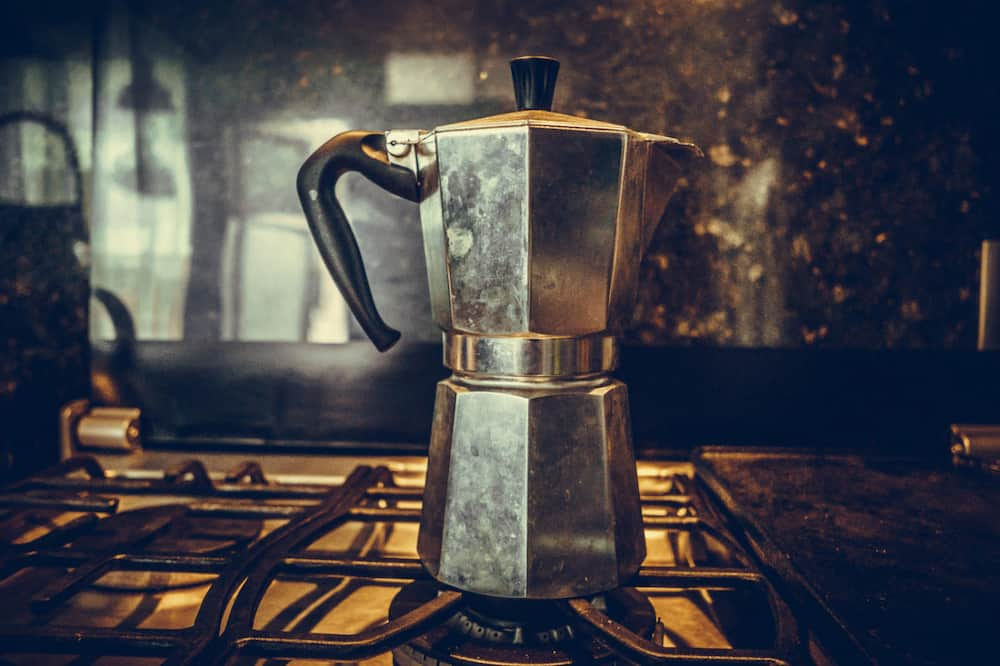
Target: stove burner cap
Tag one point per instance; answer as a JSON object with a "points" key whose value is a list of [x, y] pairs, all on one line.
{"points": [[517, 632]]}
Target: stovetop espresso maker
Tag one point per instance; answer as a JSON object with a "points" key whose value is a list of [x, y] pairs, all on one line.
{"points": [[534, 224]]}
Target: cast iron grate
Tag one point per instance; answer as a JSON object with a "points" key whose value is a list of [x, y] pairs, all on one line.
{"points": [[223, 629]]}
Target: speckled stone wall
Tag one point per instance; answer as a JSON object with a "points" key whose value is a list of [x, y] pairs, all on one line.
{"points": [[43, 331], [850, 146], [850, 174], [44, 286], [850, 178]]}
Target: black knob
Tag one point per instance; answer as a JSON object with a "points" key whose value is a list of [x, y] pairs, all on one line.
{"points": [[534, 81]]}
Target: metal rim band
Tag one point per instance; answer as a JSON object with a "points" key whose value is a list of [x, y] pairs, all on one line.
{"points": [[517, 356]]}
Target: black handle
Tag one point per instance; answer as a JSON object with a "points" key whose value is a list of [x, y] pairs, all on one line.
{"points": [[534, 81], [365, 153]]}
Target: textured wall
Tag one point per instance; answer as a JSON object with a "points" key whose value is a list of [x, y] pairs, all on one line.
{"points": [[851, 162], [850, 145], [44, 154], [849, 182]]}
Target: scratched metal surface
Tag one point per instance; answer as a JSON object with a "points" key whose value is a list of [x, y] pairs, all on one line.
{"points": [[902, 553]]}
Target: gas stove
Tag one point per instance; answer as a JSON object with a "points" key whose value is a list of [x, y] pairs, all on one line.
{"points": [[190, 565]]}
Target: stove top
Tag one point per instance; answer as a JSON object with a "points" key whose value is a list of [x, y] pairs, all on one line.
{"points": [[891, 560], [185, 566]]}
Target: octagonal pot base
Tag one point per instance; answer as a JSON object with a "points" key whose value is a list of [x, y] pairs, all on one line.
{"points": [[531, 491]]}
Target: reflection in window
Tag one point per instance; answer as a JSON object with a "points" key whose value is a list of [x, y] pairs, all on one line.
{"points": [[269, 282], [453, 79], [142, 186], [274, 287]]}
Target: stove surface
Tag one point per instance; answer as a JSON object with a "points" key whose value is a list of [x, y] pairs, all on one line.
{"points": [[185, 566], [893, 557]]}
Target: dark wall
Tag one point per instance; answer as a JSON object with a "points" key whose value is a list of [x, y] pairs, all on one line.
{"points": [[44, 162], [851, 175], [851, 145], [891, 401]]}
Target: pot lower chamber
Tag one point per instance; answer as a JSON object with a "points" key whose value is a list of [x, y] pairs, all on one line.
{"points": [[531, 482]]}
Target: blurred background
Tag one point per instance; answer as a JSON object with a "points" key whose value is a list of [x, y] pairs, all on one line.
{"points": [[849, 179]]}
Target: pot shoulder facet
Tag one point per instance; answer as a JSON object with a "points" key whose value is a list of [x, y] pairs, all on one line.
{"points": [[528, 226]]}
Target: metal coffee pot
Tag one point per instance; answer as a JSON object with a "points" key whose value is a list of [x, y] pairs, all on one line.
{"points": [[534, 224]]}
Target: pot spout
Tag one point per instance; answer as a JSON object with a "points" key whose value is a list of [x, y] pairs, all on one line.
{"points": [[667, 163]]}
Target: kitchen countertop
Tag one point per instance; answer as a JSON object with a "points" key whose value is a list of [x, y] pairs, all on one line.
{"points": [[894, 560]]}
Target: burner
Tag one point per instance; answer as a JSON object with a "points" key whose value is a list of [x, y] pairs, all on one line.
{"points": [[508, 631]]}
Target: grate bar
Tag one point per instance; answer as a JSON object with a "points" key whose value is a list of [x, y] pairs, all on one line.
{"points": [[632, 646], [363, 645], [375, 513], [665, 500], [92, 640], [181, 488], [694, 577], [91, 503], [383, 568], [677, 522]]}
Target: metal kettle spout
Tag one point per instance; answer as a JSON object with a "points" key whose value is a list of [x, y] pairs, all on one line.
{"points": [[668, 161]]}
